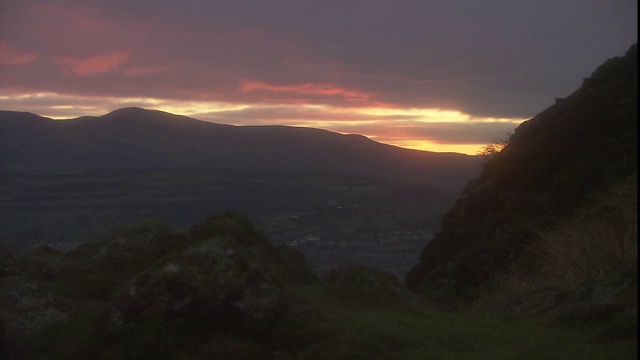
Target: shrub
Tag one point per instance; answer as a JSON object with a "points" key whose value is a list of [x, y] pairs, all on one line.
{"points": [[598, 242]]}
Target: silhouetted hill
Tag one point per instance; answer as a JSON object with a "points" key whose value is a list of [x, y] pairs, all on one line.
{"points": [[134, 138], [552, 165]]}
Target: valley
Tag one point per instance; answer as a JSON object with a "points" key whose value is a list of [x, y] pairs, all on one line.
{"points": [[335, 220]]}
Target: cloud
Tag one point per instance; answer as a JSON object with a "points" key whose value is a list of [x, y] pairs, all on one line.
{"points": [[503, 61], [10, 56], [394, 126], [397, 70], [418, 129], [459, 132], [97, 64], [145, 70], [350, 96]]}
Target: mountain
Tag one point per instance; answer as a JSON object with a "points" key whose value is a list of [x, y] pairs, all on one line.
{"points": [[134, 138], [552, 168]]}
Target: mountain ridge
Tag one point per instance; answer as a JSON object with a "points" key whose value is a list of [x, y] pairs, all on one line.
{"points": [[134, 138]]}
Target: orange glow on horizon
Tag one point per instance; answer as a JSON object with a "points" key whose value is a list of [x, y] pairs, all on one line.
{"points": [[418, 144], [394, 126]]}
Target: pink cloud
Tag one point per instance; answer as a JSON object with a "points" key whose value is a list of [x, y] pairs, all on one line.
{"points": [[10, 56], [97, 64], [307, 89], [145, 70]]}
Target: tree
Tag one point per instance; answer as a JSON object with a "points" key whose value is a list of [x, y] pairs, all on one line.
{"points": [[490, 150]]}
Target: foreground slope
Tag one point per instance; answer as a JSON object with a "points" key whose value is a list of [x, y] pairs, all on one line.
{"points": [[552, 165], [134, 138], [222, 291]]}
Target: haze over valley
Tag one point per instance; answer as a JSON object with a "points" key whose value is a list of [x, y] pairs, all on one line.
{"points": [[342, 199]]}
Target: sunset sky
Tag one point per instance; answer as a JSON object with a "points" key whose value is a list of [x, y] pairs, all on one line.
{"points": [[434, 75]]}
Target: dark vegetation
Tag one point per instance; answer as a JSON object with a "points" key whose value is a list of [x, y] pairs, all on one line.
{"points": [[538, 257], [562, 193], [221, 291]]}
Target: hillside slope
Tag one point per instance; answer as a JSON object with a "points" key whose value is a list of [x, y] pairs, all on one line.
{"points": [[553, 164], [134, 138], [221, 291]]}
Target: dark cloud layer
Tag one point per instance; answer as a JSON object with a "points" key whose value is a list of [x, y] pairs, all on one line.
{"points": [[500, 59]]}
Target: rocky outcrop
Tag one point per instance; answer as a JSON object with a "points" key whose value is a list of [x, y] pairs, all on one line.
{"points": [[216, 277], [7, 262], [221, 275], [25, 309]]}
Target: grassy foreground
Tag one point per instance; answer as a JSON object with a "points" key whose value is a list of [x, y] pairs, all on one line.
{"points": [[323, 323], [221, 291], [327, 327]]}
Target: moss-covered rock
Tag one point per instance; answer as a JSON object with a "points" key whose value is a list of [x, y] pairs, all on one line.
{"points": [[216, 277], [236, 226], [291, 266], [25, 309], [7, 262], [287, 263], [149, 288]]}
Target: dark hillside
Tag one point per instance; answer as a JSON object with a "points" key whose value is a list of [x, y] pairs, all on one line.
{"points": [[138, 139], [553, 164]]}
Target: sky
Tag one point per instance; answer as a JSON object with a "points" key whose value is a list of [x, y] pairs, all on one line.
{"points": [[442, 76]]}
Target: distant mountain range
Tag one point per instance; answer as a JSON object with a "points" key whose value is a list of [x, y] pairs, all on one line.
{"points": [[134, 138]]}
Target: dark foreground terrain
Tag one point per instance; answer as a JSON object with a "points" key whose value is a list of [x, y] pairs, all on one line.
{"points": [[221, 291]]}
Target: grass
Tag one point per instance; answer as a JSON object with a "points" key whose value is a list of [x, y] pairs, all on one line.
{"points": [[324, 322], [582, 271], [347, 330], [319, 325], [599, 242]]}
